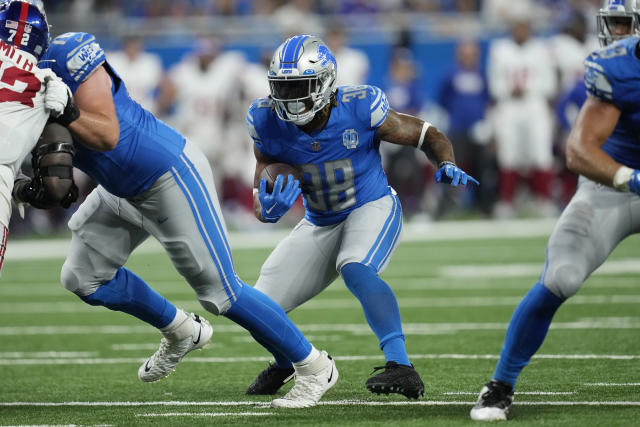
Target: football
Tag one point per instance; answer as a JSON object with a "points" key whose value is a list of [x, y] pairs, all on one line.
{"points": [[272, 170]]}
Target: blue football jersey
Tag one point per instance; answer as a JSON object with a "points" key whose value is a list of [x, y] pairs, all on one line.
{"points": [[341, 162], [147, 147], [613, 75]]}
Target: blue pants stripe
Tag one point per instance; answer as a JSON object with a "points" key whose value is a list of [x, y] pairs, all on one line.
{"points": [[206, 226], [210, 205], [385, 229], [398, 227]]}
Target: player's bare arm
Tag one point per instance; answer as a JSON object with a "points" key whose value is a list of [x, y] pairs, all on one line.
{"points": [[404, 129], [97, 127], [596, 121]]}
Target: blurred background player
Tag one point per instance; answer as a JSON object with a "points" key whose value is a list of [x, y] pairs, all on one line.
{"points": [[28, 97], [141, 70], [353, 218], [204, 90], [155, 182], [354, 64], [464, 95], [603, 148], [522, 82]]}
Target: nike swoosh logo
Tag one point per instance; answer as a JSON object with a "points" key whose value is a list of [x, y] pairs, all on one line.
{"points": [[199, 333], [330, 375], [162, 219], [147, 368], [268, 211]]}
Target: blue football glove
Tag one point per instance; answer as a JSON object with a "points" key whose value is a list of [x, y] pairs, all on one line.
{"points": [[449, 173], [634, 182], [276, 204]]}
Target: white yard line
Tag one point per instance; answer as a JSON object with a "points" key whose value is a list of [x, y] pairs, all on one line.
{"points": [[352, 328], [613, 384], [322, 403], [351, 358], [347, 303], [206, 414], [517, 393], [434, 231]]}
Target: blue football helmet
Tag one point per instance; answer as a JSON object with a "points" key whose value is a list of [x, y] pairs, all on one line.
{"points": [[618, 19], [302, 77], [23, 24]]}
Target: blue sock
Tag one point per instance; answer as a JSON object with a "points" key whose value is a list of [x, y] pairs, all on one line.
{"points": [[380, 309], [281, 360], [130, 294], [525, 334], [269, 324]]}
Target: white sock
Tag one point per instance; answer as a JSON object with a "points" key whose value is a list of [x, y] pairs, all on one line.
{"points": [[310, 364], [178, 328]]}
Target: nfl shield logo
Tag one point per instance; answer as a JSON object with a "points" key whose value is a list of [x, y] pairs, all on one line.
{"points": [[315, 146], [350, 139]]}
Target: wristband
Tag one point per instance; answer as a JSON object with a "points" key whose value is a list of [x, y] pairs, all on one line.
{"points": [[621, 178]]}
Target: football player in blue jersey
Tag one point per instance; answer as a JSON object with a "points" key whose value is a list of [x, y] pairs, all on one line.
{"points": [[603, 148], [353, 218], [154, 182]]}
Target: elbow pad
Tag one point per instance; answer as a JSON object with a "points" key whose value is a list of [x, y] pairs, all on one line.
{"points": [[52, 162]]}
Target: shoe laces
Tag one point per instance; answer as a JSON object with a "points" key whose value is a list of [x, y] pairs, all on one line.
{"points": [[171, 350], [388, 365]]}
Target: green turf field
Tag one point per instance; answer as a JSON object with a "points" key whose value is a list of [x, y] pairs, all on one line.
{"points": [[63, 362]]}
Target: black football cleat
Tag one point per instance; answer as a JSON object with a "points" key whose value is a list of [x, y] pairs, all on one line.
{"points": [[494, 402], [396, 378], [270, 380]]}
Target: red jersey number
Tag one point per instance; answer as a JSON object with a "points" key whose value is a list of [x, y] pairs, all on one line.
{"points": [[18, 85]]}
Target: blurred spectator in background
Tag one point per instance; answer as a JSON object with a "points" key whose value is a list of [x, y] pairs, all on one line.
{"points": [[406, 168], [570, 47], [522, 82], [298, 17], [464, 95], [354, 64], [141, 70], [204, 89]]}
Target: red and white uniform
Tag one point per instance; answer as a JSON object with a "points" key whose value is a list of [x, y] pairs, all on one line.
{"points": [[22, 117], [523, 124], [204, 99]]}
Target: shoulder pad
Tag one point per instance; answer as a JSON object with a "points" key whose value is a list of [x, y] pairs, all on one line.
{"points": [[73, 57], [375, 105]]}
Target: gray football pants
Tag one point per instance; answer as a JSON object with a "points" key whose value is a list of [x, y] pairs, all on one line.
{"points": [[591, 226]]}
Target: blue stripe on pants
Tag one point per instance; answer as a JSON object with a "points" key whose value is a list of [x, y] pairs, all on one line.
{"points": [[383, 244], [212, 235]]}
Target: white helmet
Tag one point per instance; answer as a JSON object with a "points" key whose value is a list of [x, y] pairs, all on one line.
{"points": [[302, 77], [617, 13]]}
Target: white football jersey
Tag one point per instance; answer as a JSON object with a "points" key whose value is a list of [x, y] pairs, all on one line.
{"points": [[203, 97], [22, 110], [22, 116], [528, 67]]}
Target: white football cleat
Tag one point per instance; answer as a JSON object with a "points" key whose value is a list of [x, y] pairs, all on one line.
{"points": [[494, 402], [192, 334], [311, 383]]}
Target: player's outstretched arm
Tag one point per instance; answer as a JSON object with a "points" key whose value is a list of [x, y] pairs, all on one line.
{"points": [[595, 122], [97, 127], [404, 129]]}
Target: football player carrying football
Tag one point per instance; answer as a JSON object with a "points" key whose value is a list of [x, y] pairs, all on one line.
{"points": [[353, 218], [603, 148], [154, 182], [29, 95]]}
